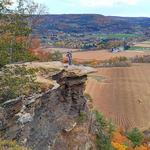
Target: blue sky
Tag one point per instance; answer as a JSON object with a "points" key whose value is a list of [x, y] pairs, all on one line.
{"points": [[106, 7]]}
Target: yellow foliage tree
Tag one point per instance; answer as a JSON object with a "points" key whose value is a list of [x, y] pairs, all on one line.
{"points": [[118, 146], [118, 137]]}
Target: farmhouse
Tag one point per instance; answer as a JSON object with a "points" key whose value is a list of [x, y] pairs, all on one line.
{"points": [[117, 49]]}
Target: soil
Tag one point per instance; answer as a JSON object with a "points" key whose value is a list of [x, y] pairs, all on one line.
{"points": [[104, 54], [123, 95]]}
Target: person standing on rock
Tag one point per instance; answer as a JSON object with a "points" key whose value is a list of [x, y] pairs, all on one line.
{"points": [[69, 57]]}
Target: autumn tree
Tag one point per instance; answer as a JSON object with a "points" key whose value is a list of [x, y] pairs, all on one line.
{"points": [[15, 29], [4, 32]]}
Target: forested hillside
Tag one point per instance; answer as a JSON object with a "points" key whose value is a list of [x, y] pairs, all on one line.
{"points": [[93, 23]]}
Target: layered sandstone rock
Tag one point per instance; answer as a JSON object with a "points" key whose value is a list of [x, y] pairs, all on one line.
{"points": [[41, 120]]}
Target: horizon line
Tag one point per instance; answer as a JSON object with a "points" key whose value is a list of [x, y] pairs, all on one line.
{"points": [[96, 14]]}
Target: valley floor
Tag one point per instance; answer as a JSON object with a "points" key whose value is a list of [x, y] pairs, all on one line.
{"points": [[104, 54], [122, 94]]}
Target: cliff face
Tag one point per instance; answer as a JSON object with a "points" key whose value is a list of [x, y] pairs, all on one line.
{"points": [[41, 120]]}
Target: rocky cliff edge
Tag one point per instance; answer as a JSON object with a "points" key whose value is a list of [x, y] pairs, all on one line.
{"points": [[50, 120]]}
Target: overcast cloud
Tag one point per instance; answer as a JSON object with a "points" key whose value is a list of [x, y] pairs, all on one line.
{"points": [[133, 8], [102, 3]]}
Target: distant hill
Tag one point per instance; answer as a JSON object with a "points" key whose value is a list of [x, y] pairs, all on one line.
{"points": [[86, 23]]}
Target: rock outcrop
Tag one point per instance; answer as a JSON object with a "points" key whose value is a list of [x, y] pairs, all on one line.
{"points": [[41, 120]]}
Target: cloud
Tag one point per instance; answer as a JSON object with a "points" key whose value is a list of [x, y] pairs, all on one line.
{"points": [[103, 3]]}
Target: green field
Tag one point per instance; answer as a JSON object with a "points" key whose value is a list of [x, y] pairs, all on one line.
{"points": [[139, 48], [112, 36], [118, 36]]}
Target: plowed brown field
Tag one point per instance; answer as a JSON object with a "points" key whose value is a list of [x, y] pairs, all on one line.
{"points": [[104, 54], [123, 95]]}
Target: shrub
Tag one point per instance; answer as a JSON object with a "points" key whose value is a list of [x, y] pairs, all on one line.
{"points": [[16, 81], [118, 137], [116, 62], [141, 59], [4, 58], [101, 122], [10, 145], [118, 146], [56, 56], [23, 56], [20, 54], [135, 136], [82, 117], [90, 63], [104, 133], [112, 62]]}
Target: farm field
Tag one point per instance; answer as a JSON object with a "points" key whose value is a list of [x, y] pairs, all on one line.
{"points": [[104, 54], [49, 50], [145, 44], [111, 36], [62, 50], [118, 36], [141, 46], [122, 95]]}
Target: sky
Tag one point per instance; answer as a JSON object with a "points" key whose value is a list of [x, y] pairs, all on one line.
{"points": [[127, 8], [133, 8]]}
